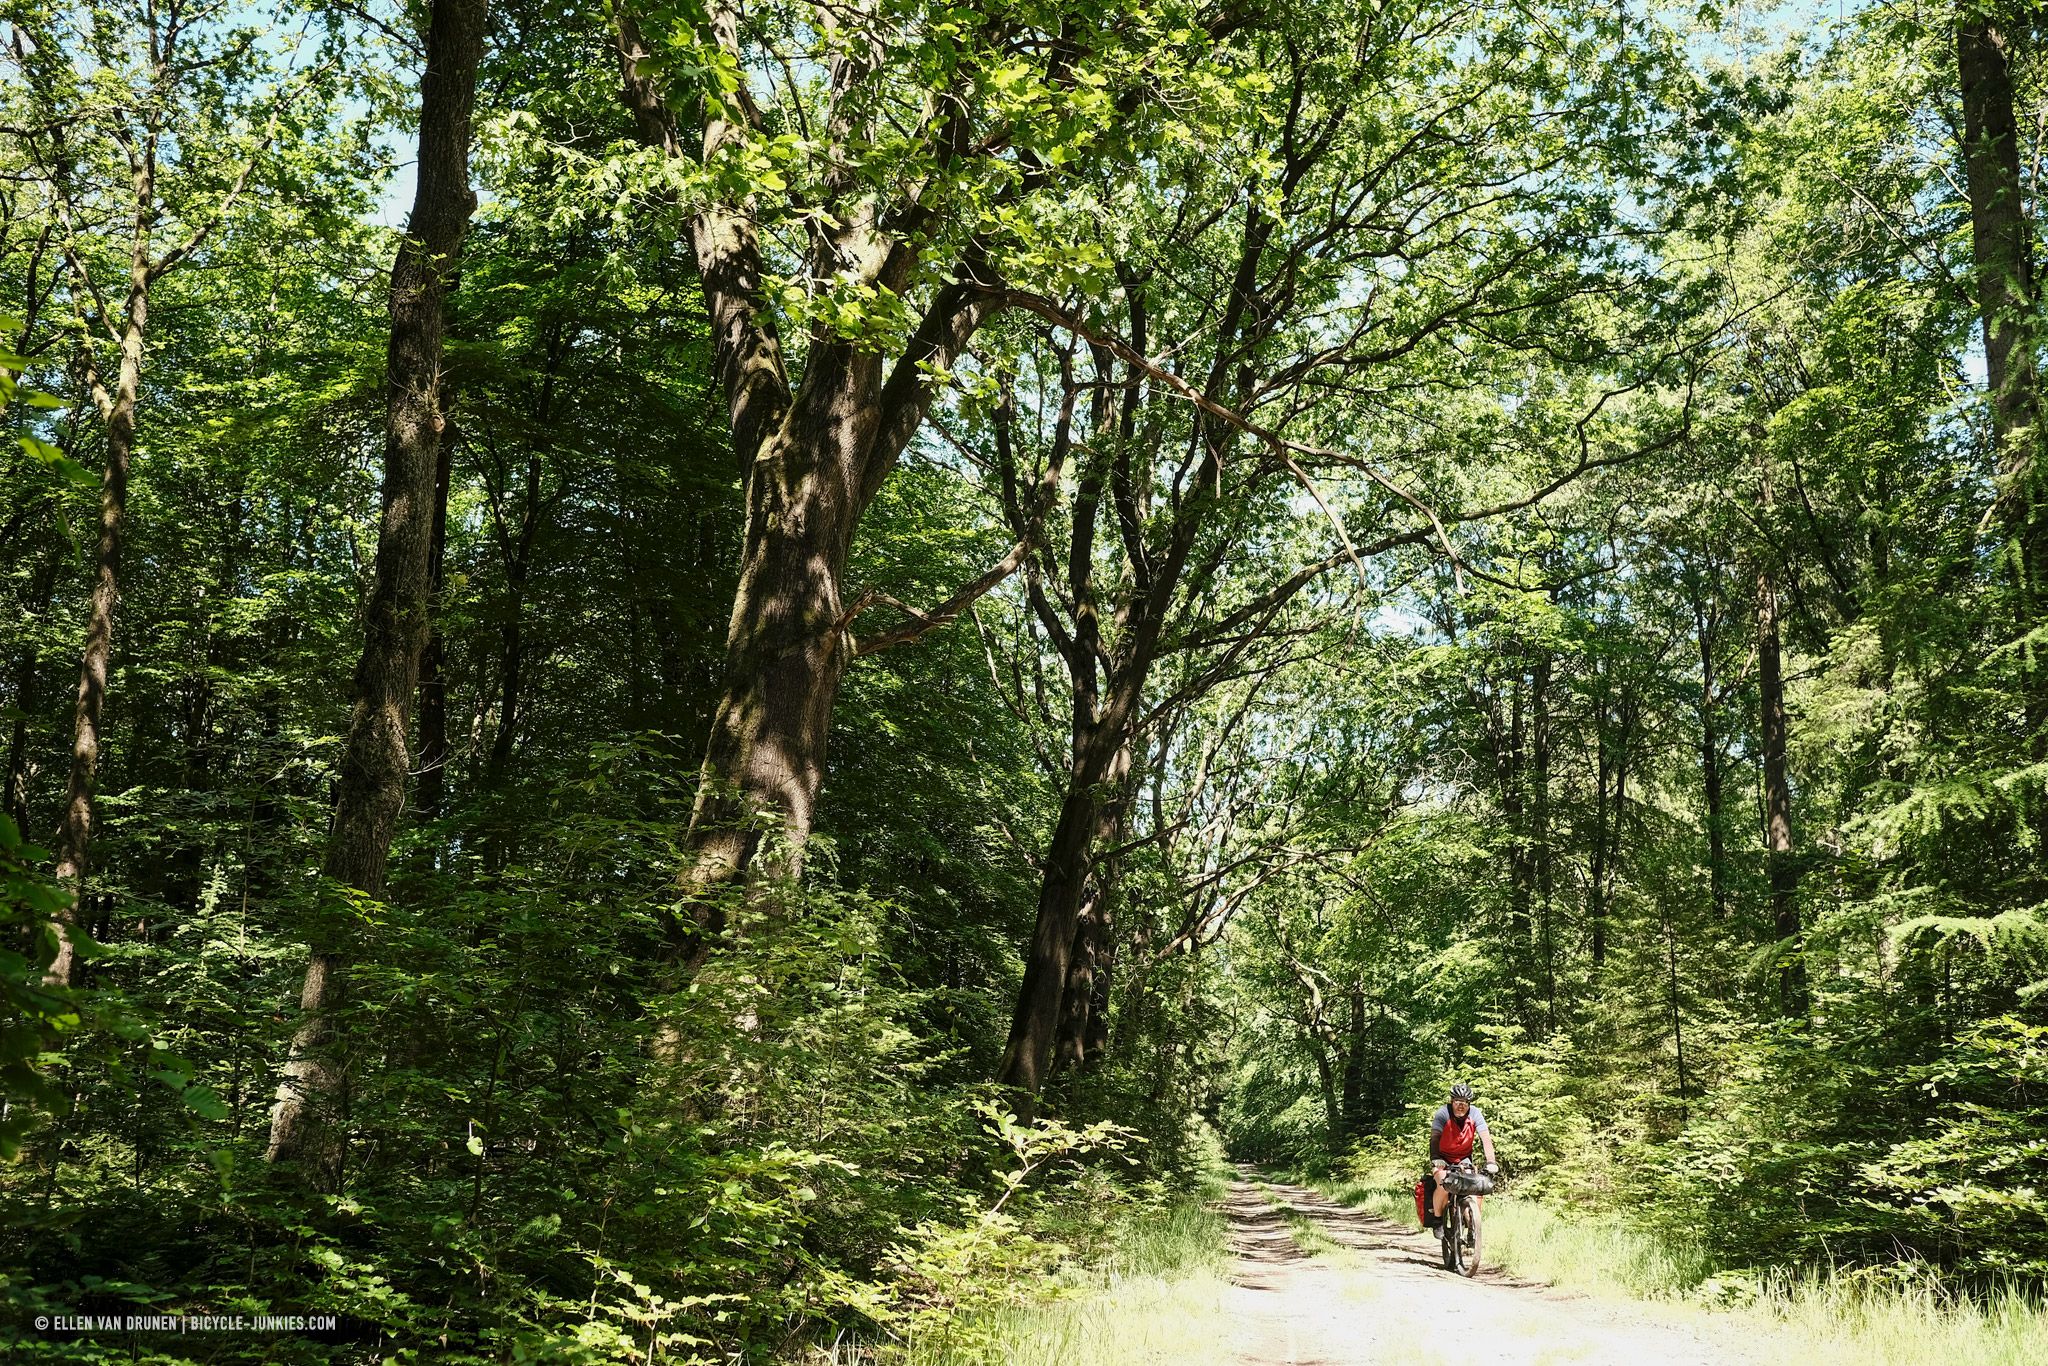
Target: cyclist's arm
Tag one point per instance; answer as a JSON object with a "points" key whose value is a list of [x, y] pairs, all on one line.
{"points": [[1486, 1138], [1436, 1132]]}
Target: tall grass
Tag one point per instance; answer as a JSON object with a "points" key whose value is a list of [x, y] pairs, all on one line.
{"points": [[1592, 1253], [1157, 1298], [1145, 1283], [1841, 1318]]}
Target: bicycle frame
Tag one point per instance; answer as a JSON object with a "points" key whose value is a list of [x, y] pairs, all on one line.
{"points": [[1460, 1231]]}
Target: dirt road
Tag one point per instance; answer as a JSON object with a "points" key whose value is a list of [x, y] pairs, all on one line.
{"points": [[1384, 1297]]}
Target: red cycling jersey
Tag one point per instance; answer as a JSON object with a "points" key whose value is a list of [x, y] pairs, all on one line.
{"points": [[1455, 1142], [1452, 1140]]}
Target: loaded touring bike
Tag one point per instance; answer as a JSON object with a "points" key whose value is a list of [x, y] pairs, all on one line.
{"points": [[1460, 1230]]}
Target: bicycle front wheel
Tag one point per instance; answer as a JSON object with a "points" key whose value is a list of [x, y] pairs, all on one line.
{"points": [[1453, 1239], [1470, 1253]]}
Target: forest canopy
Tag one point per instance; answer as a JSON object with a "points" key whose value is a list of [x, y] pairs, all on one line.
{"points": [[716, 682]]}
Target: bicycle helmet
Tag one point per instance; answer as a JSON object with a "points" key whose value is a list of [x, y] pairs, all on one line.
{"points": [[1462, 1092]]}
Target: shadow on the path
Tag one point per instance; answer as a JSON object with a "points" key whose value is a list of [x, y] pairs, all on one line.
{"points": [[1400, 1250], [1260, 1238]]}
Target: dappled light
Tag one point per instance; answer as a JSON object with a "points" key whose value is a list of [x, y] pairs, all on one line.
{"points": [[952, 682]]}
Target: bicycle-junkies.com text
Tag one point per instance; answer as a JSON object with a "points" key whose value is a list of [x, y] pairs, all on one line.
{"points": [[187, 1323]]}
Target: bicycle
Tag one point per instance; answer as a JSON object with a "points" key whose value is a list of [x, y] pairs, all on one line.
{"points": [[1460, 1230]]}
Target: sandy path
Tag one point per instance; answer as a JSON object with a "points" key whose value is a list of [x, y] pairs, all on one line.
{"points": [[1386, 1298]]}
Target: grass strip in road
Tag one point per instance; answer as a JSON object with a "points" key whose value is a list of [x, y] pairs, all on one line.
{"points": [[1311, 1237]]}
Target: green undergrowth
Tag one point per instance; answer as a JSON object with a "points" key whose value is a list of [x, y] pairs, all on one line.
{"points": [[1145, 1284], [1899, 1317]]}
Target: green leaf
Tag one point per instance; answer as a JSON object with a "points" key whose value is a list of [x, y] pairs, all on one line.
{"points": [[55, 460], [205, 1102]]}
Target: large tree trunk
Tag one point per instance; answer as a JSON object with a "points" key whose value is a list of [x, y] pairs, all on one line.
{"points": [[1710, 773], [1541, 854], [1596, 870], [803, 456], [1101, 759], [1778, 849], [1356, 1047], [1515, 816], [1333, 1103], [1103, 743], [1034, 1023], [813, 457], [511, 675], [2001, 238], [1077, 1001], [786, 651], [74, 834], [788, 642], [305, 1127], [1084, 1025], [430, 793], [2000, 235]]}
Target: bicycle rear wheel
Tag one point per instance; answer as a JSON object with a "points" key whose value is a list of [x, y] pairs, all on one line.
{"points": [[1453, 1239], [1470, 1253]]}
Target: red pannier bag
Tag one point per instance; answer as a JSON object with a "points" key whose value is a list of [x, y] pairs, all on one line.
{"points": [[1421, 1217]]}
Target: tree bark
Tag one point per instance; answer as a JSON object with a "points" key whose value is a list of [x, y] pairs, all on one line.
{"points": [[430, 792], [813, 457], [2000, 235], [512, 632], [1100, 755], [1108, 686], [1539, 745], [1084, 1025], [1077, 1001], [1677, 1017], [1035, 1021], [305, 1128], [1778, 847], [2001, 239], [1515, 813], [1333, 1103], [1710, 769], [1596, 872], [1357, 1042], [785, 651], [75, 832], [1103, 743]]}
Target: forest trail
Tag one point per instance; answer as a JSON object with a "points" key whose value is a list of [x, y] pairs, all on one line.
{"points": [[1386, 1298]]}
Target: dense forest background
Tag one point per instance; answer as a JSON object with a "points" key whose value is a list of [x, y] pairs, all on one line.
{"points": [[716, 681]]}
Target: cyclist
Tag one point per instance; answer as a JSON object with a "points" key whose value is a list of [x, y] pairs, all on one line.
{"points": [[1453, 1130]]}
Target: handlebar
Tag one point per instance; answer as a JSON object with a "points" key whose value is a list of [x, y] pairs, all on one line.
{"points": [[1466, 1179]]}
